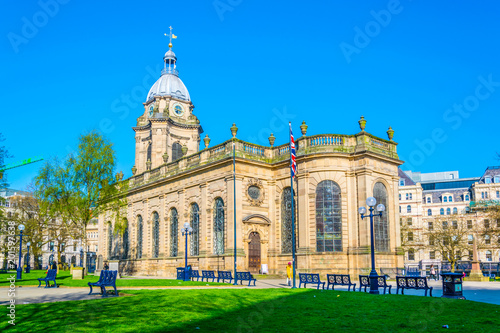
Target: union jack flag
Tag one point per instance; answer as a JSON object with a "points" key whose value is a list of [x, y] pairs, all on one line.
{"points": [[293, 162]]}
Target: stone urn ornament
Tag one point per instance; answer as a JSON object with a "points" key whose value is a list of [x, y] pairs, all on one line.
{"points": [[390, 133], [184, 150], [134, 170], [362, 123], [271, 139], [206, 140], [165, 157], [303, 128], [234, 130]]}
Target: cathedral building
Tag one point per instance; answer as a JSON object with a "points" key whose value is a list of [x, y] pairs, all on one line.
{"points": [[243, 190]]}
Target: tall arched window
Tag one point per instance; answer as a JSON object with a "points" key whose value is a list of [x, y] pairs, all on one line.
{"points": [[455, 210], [110, 240], [445, 199], [450, 199], [448, 211], [428, 199], [219, 226], [125, 241], [139, 236], [381, 224], [174, 232], [408, 208], [328, 217], [429, 212], [441, 211], [176, 151], [286, 220], [156, 235], [148, 156], [195, 224]]}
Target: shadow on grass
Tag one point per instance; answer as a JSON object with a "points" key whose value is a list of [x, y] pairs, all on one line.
{"points": [[257, 310]]}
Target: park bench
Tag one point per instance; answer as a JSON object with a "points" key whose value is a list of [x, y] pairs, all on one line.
{"points": [[410, 282], [208, 275], [106, 279], [51, 276], [195, 274], [364, 281], [224, 275], [245, 276], [340, 280], [308, 278]]}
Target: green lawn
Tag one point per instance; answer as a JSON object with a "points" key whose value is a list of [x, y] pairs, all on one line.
{"points": [[64, 279], [256, 310]]}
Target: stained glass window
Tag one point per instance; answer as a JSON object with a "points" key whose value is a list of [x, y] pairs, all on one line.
{"points": [[381, 224], [328, 217], [176, 151], [219, 226], [156, 235], [174, 231], [195, 224], [139, 236], [286, 220]]}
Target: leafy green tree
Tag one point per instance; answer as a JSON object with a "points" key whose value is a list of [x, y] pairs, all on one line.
{"points": [[81, 187]]}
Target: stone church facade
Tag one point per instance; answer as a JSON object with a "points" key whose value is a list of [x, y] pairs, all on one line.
{"points": [[175, 182]]}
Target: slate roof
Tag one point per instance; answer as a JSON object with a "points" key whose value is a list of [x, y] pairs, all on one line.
{"points": [[403, 175], [456, 193], [491, 171]]}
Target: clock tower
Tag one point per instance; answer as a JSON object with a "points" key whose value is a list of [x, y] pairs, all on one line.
{"points": [[168, 129]]}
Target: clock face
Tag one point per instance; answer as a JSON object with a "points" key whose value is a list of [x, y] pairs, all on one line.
{"points": [[178, 110], [151, 109]]}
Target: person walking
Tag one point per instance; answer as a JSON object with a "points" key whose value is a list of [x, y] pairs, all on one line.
{"points": [[433, 273], [289, 273]]}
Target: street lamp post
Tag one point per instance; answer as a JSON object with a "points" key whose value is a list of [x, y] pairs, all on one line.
{"points": [[186, 230], [20, 267], [28, 268], [371, 202]]}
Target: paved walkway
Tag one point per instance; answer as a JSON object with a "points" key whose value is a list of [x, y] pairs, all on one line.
{"points": [[487, 292]]}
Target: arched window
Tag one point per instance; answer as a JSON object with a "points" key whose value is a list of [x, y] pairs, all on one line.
{"points": [[448, 211], [467, 198], [445, 199], [176, 151], [195, 224], [408, 208], [450, 199], [148, 156], [455, 210], [441, 211], [139, 236], [219, 226], [286, 220], [156, 235], [174, 232], [410, 236], [328, 217], [381, 224], [488, 255], [125, 242], [110, 240], [429, 212], [428, 199]]}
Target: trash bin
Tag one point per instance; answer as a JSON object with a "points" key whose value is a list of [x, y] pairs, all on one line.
{"points": [[452, 285], [180, 273]]}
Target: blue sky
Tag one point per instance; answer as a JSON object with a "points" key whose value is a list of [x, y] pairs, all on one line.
{"points": [[428, 69]]}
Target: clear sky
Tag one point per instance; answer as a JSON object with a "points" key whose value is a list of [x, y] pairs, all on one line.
{"points": [[429, 69]]}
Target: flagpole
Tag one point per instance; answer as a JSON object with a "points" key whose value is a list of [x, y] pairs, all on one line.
{"points": [[293, 210]]}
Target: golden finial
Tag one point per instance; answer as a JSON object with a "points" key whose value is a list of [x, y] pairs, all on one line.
{"points": [[171, 35]]}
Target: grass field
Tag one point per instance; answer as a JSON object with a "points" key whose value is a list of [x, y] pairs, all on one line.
{"points": [[256, 310], [64, 279]]}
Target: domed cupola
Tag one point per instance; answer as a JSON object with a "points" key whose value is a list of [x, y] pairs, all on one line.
{"points": [[169, 84]]}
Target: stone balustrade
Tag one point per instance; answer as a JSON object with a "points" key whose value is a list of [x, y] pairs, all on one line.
{"points": [[317, 144]]}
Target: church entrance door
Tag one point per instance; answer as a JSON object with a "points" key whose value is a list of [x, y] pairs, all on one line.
{"points": [[254, 253]]}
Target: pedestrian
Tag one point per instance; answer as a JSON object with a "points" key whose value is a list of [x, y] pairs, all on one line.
{"points": [[289, 273], [433, 273], [54, 265]]}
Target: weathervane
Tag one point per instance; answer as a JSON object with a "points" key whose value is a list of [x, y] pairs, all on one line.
{"points": [[171, 35]]}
